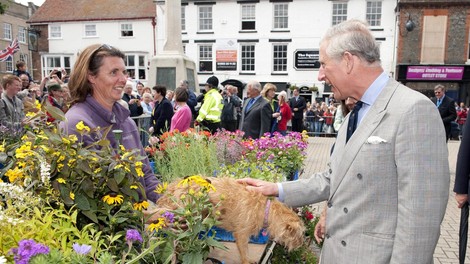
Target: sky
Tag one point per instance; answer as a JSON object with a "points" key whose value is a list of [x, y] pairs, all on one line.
{"points": [[25, 2]]}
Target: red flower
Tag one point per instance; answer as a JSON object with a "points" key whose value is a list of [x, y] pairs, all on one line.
{"points": [[308, 215]]}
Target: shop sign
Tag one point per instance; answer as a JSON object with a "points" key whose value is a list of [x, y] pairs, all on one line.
{"points": [[438, 73], [306, 59]]}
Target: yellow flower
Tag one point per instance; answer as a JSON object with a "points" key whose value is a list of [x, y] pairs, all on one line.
{"points": [[14, 174], [113, 198], [118, 166], [134, 187], [122, 148], [73, 138], [98, 170], [157, 224], [191, 191], [60, 167], [65, 141], [80, 126], [139, 171], [71, 162], [139, 164], [141, 205], [161, 188], [30, 114], [60, 180], [2, 148], [72, 196]]}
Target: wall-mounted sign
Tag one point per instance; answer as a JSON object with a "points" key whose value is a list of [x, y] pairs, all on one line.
{"points": [[226, 55], [434, 73], [306, 59]]}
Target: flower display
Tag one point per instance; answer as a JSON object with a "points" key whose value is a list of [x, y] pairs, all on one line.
{"points": [[81, 249], [133, 235], [27, 249]]}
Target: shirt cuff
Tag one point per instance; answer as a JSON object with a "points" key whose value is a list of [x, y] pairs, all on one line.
{"points": [[281, 192]]}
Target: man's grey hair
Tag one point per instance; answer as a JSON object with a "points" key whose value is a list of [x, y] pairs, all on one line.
{"points": [[353, 36], [440, 86], [255, 85]]}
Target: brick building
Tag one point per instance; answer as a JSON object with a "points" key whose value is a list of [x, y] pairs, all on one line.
{"points": [[433, 46], [13, 25]]}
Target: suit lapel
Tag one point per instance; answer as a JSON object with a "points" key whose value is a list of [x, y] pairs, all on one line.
{"points": [[344, 154]]}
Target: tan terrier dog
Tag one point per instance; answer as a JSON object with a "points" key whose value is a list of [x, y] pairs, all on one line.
{"points": [[245, 213]]}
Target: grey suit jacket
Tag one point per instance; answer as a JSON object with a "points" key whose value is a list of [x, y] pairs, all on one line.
{"points": [[386, 201], [257, 120]]}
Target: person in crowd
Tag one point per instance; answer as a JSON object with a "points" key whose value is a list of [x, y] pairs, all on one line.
{"points": [[181, 120], [21, 68], [343, 110], [96, 86], [461, 118], [12, 111], [269, 93], [286, 113], [229, 111], [140, 90], [387, 181], [318, 119], [310, 119], [328, 116], [192, 99], [170, 95], [446, 107], [257, 112], [162, 113], [147, 120], [134, 103], [462, 172], [211, 109], [238, 109], [55, 98], [25, 83], [297, 104]]}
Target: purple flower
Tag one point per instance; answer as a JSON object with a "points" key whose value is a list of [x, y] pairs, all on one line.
{"points": [[170, 217], [27, 249], [81, 249], [133, 235]]}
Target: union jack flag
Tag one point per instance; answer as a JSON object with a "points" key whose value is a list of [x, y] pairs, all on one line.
{"points": [[10, 50]]}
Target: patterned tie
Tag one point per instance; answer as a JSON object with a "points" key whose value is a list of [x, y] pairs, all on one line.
{"points": [[352, 123], [250, 103]]}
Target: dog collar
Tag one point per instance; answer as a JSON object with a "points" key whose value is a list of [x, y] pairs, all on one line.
{"points": [[264, 231]]}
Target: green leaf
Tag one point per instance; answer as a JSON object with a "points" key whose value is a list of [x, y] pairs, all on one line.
{"points": [[119, 177], [82, 201], [91, 215], [193, 258], [111, 183], [55, 112], [88, 188]]}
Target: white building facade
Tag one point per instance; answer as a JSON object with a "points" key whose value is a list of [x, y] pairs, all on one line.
{"points": [[273, 41]]}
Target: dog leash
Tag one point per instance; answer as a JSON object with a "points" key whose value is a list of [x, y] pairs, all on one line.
{"points": [[264, 231]]}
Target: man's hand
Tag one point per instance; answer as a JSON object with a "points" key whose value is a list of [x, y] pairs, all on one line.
{"points": [[461, 199], [320, 228], [264, 187]]}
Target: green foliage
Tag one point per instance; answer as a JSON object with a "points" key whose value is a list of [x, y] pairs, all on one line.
{"points": [[262, 170]]}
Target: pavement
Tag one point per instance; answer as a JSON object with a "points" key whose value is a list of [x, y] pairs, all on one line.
{"points": [[447, 250]]}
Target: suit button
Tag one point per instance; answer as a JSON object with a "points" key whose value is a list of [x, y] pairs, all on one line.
{"points": [[345, 210], [327, 236], [330, 171], [343, 243], [329, 204], [359, 176]]}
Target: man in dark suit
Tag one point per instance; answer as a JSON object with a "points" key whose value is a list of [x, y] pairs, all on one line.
{"points": [[297, 104], [446, 107], [256, 113]]}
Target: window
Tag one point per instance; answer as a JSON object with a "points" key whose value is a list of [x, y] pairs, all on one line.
{"points": [[24, 57], [205, 18], [55, 31], [7, 31], [126, 30], [22, 34], [135, 66], [50, 63], [248, 57], [183, 18], [340, 12], [90, 31], [248, 17], [205, 58], [281, 15], [279, 57], [434, 39], [374, 13], [9, 64]]}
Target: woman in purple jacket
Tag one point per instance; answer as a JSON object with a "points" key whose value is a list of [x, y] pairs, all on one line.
{"points": [[96, 85]]}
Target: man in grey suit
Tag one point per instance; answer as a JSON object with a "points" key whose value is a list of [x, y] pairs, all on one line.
{"points": [[387, 186], [256, 113]]}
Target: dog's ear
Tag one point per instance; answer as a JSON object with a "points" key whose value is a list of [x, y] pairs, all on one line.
{"points": [[294, 234]]}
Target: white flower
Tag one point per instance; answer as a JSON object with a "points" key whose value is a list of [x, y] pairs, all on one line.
{"points": [[3, 260], [376, 140]]}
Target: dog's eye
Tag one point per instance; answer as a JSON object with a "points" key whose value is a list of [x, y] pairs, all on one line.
{"points": [[185, 177]]}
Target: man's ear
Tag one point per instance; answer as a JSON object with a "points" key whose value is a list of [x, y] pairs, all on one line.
{"points": [[349, 58]]}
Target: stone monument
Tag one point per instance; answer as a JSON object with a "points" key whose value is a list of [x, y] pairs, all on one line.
{"points": [[171, 65]]}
